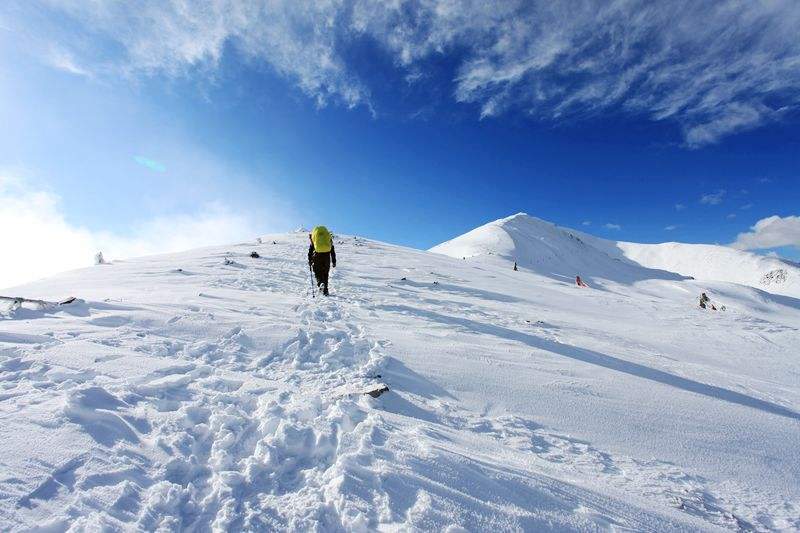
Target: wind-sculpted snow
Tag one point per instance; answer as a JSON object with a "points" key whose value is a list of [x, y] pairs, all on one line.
{"points": [[208, 391]]}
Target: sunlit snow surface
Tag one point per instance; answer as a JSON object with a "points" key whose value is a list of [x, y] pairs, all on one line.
{"points": [[213, 397], [552, 250]]}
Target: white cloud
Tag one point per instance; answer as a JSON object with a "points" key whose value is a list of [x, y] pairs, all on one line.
{"points": [[771, 232], [680, 207], [731, 216], [298, 40], [671, 227], [612, 226], [728, 118], [62, 59], [714, 198], [712, 68], [45, 242], [745, 207], [586, 223]]}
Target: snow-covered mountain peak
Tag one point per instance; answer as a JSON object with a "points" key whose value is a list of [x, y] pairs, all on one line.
{"points": [[508, 237], [560, 252], [547, 249], [519, 217]]}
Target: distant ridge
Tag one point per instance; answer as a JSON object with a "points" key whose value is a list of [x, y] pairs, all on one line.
{"points": [[560, 252], [547, 249]]}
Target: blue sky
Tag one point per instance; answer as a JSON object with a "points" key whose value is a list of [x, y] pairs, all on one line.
{"points": [[150, 128]]}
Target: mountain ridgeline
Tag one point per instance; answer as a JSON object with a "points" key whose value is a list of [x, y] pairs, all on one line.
{"points": [[562, 253]]}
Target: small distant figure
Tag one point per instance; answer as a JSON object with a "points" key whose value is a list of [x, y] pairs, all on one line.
{"points": [[254, 255], [274, 242], [258, 240], [515, 266], [321, 256], [579, 282], [99, 259]]}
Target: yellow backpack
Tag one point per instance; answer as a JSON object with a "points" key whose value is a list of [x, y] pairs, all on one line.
{"points": [[322, 239]]}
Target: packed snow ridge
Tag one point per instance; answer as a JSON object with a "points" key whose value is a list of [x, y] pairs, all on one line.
{"points": [[209, 391], [552, 250]]}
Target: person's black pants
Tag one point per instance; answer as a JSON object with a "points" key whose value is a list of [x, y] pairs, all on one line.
{"points": [[321, 264]]}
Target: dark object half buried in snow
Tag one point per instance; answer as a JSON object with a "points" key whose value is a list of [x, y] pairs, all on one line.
{"points": [[17, 301], [373, 390]]}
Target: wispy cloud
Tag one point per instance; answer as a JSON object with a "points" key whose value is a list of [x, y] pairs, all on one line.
{"points": [[765, 180], [745, 207], [712, 68], [730, 216], [586, 223], [771, 232], [62, 59], [680, 207], [671, 227], [612, 226], [714, 198]]}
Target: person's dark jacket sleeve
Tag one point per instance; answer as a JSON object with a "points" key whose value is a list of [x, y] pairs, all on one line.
{"points": [[310, 253], [333, 256]]}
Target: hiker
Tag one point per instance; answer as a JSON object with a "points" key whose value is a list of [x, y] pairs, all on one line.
{"points": [[515, 266], [579, 282], [321, 255]]}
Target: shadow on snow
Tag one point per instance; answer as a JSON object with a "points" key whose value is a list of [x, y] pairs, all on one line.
{"points": [[599, 359]]}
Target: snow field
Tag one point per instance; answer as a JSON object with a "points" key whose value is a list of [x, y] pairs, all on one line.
{"points": [[215, 397]]}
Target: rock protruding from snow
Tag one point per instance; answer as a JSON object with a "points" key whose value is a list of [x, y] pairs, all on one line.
{"points": [[777, 276]]}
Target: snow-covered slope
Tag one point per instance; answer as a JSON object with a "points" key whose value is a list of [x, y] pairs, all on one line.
{"points": [[706, 261], [547, 249], [187, 392], [552, 250]]}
